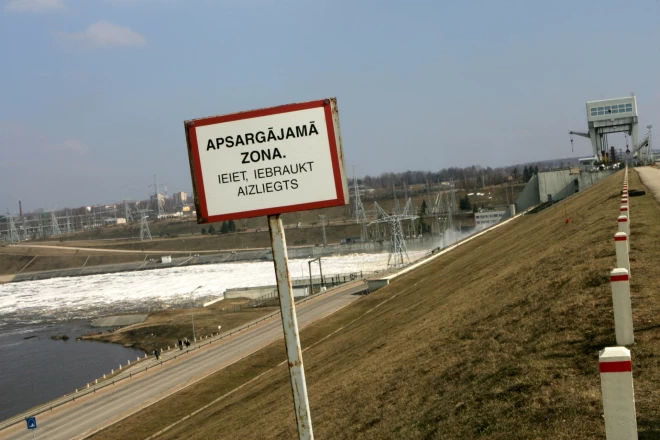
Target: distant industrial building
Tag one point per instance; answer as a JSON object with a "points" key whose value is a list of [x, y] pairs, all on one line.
{"points": [[161, 198], [180, 198], [115, 221], [184, 209], [488, 217]]}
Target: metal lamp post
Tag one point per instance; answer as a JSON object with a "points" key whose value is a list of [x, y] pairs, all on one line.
{"points": [[311, 284], [192, 315]]}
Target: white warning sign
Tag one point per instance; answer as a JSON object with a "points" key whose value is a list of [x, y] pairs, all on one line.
{"points": [[267, 161]]}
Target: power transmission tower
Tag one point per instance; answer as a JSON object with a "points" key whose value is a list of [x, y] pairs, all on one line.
{"points": [[69, 227], [145, 234], [24, 230], [360, 214], [398, 252], [54, 226], [450, 219], [127, 213], [428, 195], [437, 210], [159, 203], [396, 208], [325, 241], [41, 226], [13, 234]]}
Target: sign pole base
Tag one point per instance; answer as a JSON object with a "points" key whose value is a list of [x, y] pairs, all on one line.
{"points": [[290, 326]]}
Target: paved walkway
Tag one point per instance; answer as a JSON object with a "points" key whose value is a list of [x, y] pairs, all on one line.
{"points": [[651, 178]]}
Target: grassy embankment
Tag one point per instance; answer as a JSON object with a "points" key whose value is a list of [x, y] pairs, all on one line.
{"points": [[498, 339], [164, 328]]}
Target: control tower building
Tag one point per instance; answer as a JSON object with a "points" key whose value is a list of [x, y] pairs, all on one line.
{"points": [[610, 116]]}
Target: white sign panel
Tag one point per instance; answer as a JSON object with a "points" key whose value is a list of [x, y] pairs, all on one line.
{"points": [[268, 161]]}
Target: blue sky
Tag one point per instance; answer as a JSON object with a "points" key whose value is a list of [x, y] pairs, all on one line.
{"points": [[93, 93]]}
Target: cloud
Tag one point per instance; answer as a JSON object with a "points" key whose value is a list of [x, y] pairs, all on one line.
{"points": [[73, 145], [35, 6], [17, 138], [106, 35]]}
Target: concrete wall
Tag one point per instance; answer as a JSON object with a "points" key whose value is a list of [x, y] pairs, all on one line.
{"points": [[529, 196], [258, 292], [587, 179], [561, 184], [510, 212], [557, 185], [249, 292], [413, 244]]}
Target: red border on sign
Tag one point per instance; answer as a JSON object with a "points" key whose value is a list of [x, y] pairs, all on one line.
{"points": [[194, 149]]}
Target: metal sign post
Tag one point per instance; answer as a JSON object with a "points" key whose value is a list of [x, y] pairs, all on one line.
{"points": [[269, 162], [290, 326], [31, 425]]}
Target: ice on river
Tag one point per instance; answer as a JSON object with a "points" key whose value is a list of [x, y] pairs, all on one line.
{"points": [[58, 299]]}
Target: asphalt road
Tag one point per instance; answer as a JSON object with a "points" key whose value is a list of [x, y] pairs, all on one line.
{"points": [[651, 178], [95, 411]]}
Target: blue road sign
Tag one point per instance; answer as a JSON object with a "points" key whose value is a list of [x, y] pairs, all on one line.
{"points": [[31, 422]]}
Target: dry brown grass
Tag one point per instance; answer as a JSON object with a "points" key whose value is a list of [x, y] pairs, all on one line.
{"points": [[498, 339], [163, 328]]}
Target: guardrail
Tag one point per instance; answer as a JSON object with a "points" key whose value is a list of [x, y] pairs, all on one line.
{"points": [[151, 362]]}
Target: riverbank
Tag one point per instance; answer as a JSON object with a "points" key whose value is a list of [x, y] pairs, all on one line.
{"points": [[36, 368], [164, 328]]}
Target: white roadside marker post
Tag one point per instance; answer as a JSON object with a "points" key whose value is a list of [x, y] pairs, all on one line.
{"points": [[624, 224], [616, 383], [623, 210], [621, 245], [621, 307], [290, 326]]}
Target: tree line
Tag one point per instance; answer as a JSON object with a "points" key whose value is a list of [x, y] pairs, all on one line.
{"points": [[225, 227], [474, 176]]}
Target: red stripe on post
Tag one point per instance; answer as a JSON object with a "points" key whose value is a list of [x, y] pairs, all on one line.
{"points": [[620, 238], [619, 278], [616, 367], [622, 219]]}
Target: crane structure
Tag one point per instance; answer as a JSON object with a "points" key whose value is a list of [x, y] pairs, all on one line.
{"points": [[643, 151], [613, 116], [398, 252]]}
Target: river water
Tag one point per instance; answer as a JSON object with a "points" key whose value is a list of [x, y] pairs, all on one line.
{"points": [[35, 369]]}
